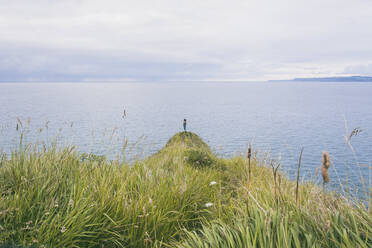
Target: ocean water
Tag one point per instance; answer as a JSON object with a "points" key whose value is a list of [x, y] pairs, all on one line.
{"points": [[278, 118]]}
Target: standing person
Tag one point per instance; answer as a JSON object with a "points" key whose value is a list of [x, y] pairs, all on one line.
{"points": [[184, 125]]}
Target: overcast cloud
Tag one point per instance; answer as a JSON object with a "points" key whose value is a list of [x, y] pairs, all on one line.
{"points": [[183, 40]]}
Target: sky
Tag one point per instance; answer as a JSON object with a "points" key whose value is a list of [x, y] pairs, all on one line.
{"points": [[177, 40]]}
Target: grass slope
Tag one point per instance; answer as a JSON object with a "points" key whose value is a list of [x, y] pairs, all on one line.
{"points": [[182, 196]]}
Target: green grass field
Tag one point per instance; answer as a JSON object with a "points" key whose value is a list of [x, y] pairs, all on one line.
{"points": [[182, 196]]}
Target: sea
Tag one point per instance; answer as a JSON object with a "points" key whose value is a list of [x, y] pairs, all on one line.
{"points": [[278, 119]]}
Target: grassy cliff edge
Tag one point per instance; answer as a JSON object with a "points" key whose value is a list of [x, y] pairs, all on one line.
{"points": [[182, 196]]}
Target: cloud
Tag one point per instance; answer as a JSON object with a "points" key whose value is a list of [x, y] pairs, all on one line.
{"points": [[365, 69], [181, 40]]}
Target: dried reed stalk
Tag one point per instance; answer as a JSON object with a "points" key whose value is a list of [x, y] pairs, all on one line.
{"points": [[275, 173], [249, 155], [298, 173]]}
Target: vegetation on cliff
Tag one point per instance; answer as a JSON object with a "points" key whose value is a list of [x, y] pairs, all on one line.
{"points": [[182, 196]]}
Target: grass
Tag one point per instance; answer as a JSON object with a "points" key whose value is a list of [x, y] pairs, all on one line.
{"points": [[182, 196]]}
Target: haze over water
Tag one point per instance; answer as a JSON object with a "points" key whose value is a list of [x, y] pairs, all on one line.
{"points": [[278, 118]]}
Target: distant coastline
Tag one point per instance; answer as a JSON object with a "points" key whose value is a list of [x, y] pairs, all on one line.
{"points": [[329, 79]]}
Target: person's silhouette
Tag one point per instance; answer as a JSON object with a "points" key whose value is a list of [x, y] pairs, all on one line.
{"points": [[184, 125]]}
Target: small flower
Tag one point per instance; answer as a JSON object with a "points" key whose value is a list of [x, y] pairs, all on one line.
{"points": [[212, 183], [63, 229], [150, 200], [47, 213], [209, 204], [71, 203]]}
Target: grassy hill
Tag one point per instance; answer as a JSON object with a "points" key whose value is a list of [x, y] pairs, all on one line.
{"points": [[182, 196]]}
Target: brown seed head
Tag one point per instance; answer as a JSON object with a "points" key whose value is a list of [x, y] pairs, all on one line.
{"points": [[326, 161], [249, 152], [325, 175]]}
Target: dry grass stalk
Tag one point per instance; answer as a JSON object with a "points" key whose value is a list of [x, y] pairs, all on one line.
{"points": [[249, 155], [298, 173], [275, 173]]}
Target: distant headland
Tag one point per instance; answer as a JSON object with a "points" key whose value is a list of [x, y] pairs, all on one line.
{"points": [[329, 79]]}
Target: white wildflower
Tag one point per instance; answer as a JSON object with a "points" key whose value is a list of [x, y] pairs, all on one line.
{"points": [[209, 204], [63, 229], [212, 183]]}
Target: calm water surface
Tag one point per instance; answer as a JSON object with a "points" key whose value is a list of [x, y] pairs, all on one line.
{"points": [[278, 118]]}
